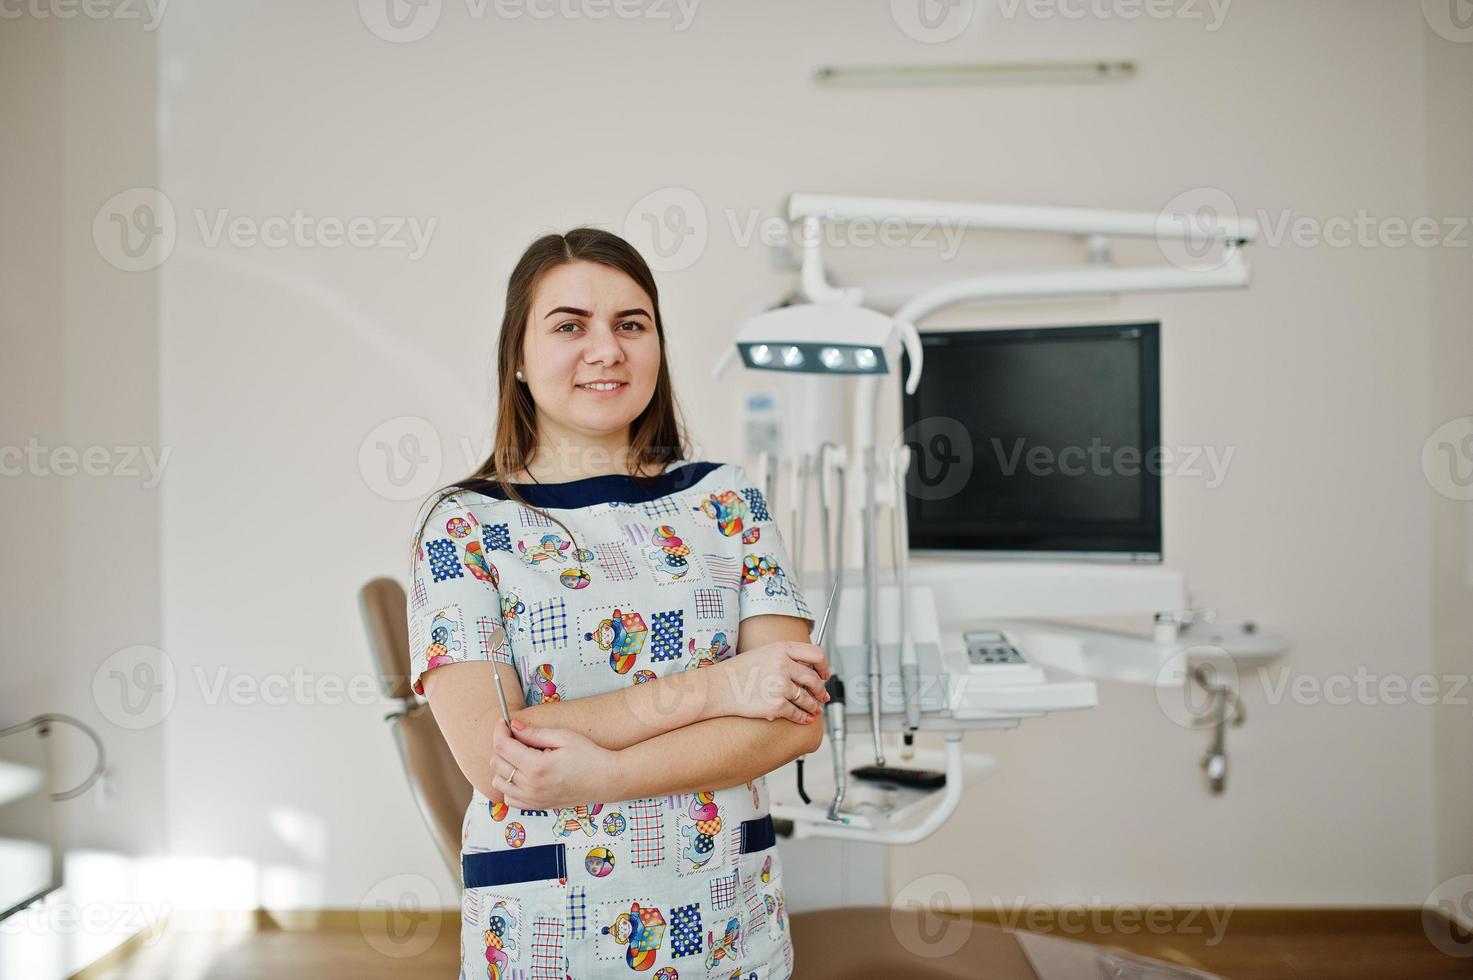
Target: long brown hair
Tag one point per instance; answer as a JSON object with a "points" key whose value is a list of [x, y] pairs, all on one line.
{"points": [[655, 436]]}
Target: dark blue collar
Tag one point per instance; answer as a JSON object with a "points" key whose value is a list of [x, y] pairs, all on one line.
{"points": [[610, 488]]}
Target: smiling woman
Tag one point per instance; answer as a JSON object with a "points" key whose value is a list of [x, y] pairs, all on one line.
{"points": [[654, 654]]}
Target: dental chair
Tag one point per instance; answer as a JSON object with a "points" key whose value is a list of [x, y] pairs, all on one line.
{"points": [[852, 943], [440, 789]]}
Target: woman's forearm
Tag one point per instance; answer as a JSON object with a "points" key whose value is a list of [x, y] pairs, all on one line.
{"points": [[631, 715], [712, 754]]}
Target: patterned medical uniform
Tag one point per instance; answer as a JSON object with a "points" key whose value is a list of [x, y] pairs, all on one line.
{"points": [[682, 887]]}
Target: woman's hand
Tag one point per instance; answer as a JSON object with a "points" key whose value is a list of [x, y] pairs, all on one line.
{"points": [[783, 679], [553, 766]]}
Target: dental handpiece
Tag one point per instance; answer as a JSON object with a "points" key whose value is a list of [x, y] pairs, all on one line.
{"points": [[834, 717]]}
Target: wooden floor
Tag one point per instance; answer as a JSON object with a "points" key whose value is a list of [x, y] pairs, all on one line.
{"points": [[1389, 944], [1360, 944]]}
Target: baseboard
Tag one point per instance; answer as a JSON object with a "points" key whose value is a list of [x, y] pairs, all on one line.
{"points": [[1075, 921]]}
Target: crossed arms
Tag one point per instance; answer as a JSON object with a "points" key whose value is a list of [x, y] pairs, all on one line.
{"points": [[670, 735]]}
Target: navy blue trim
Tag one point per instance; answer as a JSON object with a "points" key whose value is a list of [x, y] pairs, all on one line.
{"points": [[610, 488], [758, 835], [540, 863]]}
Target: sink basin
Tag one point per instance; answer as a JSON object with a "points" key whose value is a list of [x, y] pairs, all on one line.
{"points": [[1231, 646]]}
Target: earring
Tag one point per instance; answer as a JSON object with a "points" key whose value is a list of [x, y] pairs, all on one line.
{"points": [[519, 375]]}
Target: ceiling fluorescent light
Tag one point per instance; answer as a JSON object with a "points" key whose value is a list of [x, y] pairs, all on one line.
{"points": [[1024, 73]]}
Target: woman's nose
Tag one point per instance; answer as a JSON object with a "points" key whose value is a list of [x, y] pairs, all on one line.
{"points": [[603, 347]]}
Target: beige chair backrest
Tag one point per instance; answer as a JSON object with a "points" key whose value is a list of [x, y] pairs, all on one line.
{"points": [[440, 789]]}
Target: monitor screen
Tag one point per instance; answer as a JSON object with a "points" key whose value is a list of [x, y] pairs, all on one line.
{"points": [[1042, 441]]}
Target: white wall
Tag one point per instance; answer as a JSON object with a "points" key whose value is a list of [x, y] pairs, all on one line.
{"points": [[276, 364], [79, 376], [1449, 162]]}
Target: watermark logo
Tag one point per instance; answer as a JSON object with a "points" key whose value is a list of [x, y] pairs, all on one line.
{"points": [[1447, 916], [1190, 681], [151, 12], [1193, 227], [1365, 688], [55, 916], [1212, 12], [669, 227], [931, 916], [36, 459], [406, 21], [1450, 19], [941, 457], [401, 459], [1447, 458], [1188, 227], [932, 21], [400, 21], [135, 229], [1097, 918], [1099, 459], [135, 688], [400, 916]]}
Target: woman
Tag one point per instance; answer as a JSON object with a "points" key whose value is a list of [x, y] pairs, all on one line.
{"points": [[624, 823]]}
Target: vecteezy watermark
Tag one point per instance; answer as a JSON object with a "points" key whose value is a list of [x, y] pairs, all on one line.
{"points": [[400, 916], [1365, 688], [941, 457], [1193, 225], [137, 229], [1103, 460], [1190, 682], [932, 21], [931, 916], [1211, 12], [672, 226], [54, 916], [300, 687], [406, 21], [136, 687], [35, 459], [1097, 918], [1447, 458], [401, 459], [669, 227], [1447, 916], [1450, 19], [151, 12]]}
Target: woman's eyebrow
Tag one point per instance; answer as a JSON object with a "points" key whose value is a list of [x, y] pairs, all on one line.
{"points": [[636, 311]]}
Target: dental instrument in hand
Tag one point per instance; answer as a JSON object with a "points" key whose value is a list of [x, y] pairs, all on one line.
{"points": [[498, 643], [817, 639]]}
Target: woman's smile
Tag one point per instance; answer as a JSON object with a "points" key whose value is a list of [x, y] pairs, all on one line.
{"points": [[604, 387]]}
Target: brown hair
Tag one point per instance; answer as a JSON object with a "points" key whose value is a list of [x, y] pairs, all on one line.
{"points": [[655, 435]]}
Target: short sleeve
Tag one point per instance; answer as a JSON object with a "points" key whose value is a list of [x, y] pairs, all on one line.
{"points": [[769, 583], [454, 601]]}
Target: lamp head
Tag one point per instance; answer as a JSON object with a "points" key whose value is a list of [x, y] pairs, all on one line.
{"points": [[817, 338]]}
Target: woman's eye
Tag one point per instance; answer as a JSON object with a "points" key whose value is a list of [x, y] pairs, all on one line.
{"points": [[632, 323], [570, 323]]}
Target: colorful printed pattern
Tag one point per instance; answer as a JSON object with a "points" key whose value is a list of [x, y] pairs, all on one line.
{"points": [[669, 631], [710, 604], [625, 593]]}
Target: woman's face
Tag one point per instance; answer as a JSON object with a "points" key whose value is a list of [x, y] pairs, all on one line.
{"points": [[589, 323]]}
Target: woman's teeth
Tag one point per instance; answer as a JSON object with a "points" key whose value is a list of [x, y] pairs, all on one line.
{"points": [[602, 387]]}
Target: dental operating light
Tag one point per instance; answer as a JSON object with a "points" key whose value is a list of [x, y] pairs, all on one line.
{"points": [[811, 338]]}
